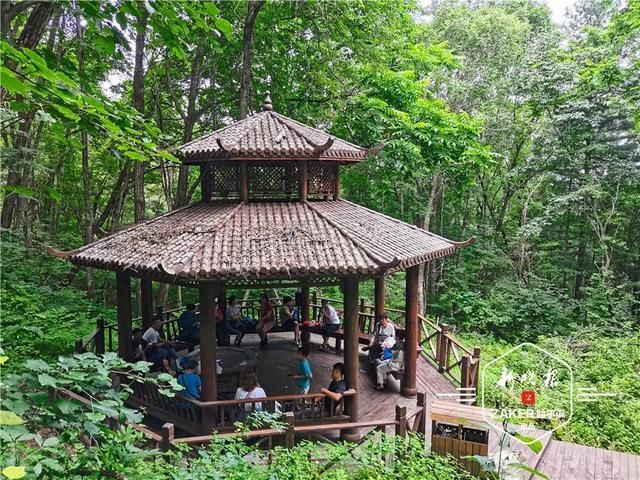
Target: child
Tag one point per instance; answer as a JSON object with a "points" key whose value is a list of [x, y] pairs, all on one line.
{"points": [[304, 375], [190, 380]]}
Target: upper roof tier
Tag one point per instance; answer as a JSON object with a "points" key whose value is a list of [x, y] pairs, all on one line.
{"points": [[270, 136]]}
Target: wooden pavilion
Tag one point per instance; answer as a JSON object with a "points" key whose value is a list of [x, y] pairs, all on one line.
{"points": [[270, 216]]}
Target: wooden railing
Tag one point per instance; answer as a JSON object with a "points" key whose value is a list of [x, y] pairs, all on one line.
{"points": [[437, 344], [403, 424], [203, 417]]}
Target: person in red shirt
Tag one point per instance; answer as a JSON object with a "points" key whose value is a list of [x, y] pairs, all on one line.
{"points": [[267, 319]]}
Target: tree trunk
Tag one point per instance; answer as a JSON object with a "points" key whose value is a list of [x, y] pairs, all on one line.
{"points": [[138, 104], [253, 8], [86, 173], [437, 182]]}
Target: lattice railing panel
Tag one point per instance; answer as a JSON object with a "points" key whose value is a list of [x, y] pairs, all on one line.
{"points": [[223, 181], [322, 178], [274, 180]]}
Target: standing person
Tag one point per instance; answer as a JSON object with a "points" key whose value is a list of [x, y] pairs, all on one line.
{"points": [[250, 388], [384, 329], [190, 380], [304, 375], [267, 319], [336, 389], [188, 325], [289, 320], [330, 323]]}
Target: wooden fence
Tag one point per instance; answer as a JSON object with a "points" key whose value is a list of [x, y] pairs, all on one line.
{"points": [[437, 344]]}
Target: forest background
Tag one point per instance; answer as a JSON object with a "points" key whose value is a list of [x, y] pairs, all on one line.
{"points": [[498, 124]]}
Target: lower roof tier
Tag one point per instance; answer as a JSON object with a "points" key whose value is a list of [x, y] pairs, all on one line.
{"points": [[267, 240]]}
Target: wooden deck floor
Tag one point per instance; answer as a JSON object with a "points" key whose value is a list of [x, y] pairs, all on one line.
{"points": [[559, 460]]}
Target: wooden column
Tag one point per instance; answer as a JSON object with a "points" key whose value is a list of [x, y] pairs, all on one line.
{"points": [[244, 182], [304, 179], [208, 292], [146, 302], [336, 180], [379, 297], [205, 184], [123, 301], [306, 301], [411, 328], [351, 353]]}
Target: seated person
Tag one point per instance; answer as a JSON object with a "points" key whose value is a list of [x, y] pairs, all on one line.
{"points": [[304, 375], [139, 345], [336, 389], [395, 363], [233, 318], [289, 320], [330, 323], [190, 381], [188, 324], [161, 348], [383, 330], [224, 329], [250, 388], [267, 319]]}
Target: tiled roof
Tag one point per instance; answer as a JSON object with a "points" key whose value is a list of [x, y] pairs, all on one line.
{"points": [[277, 240], [269, 135]]}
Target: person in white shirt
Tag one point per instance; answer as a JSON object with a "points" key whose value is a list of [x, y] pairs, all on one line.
{"points": [[330, 323], [384, 329], [157, 349], [250, 389]]}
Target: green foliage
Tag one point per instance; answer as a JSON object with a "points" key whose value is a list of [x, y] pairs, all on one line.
{"points": [[43, 314], [51, 435], [609, 364]]}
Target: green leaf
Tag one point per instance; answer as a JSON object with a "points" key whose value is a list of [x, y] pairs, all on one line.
{"points": [[225, 27], [13, 472], [106, 44], [37, 365], [530, 442], [211, 9], [11, 83], [46, 380], [67, 112], [10, 418], [135, 155], [529, 469]]}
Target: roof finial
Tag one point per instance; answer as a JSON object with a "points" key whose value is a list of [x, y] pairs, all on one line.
{"points": [[266, 105]]}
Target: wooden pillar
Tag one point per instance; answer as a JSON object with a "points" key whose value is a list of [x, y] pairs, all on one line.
{"points": [[304, 179], [208, 292], [336, 184], [244, 181], [205, 181], [379, 298], [411, 328], [351, 353], [146, 302], [123, 301], [304, 314]]}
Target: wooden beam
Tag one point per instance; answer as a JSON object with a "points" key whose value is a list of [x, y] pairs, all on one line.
{"points": [[351, 353], [379, 297], [123, 304], [411, 331], [208, 292], [244, 182], [146, 302], [304, 179]]}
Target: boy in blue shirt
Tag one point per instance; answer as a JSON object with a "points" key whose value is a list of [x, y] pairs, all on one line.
{"points": [[304, 375]]}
